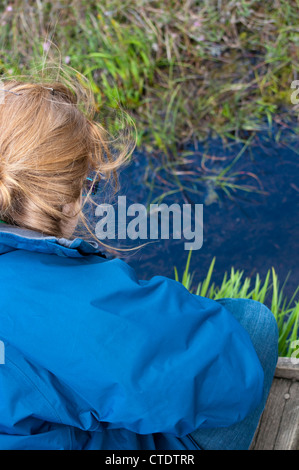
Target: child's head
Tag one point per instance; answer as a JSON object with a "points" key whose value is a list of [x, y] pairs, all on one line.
{"points": [[48, 147]]}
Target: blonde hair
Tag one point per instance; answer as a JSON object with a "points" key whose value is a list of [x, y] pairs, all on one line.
{"points": [[49, 144]]}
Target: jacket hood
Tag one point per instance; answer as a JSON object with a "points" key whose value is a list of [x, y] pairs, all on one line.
{"points": [[17, 238]]}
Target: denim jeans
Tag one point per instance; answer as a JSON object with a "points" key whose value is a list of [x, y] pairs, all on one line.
{"points": [[261, 325]]}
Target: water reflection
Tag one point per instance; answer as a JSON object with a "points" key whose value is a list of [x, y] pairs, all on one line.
{"points": [[251, 232]]}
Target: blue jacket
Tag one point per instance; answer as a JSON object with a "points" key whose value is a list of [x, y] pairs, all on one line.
{"points": [[97, 359]]}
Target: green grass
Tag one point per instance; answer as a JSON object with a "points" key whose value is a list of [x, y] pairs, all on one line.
{"points": [[234, 285], [185, 69]]}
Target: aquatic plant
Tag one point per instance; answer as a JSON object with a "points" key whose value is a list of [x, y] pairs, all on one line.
{"points": [[185, 69]]}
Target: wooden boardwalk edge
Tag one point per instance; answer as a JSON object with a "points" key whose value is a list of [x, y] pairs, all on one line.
{"points": [[287, 368], [278, 428]]}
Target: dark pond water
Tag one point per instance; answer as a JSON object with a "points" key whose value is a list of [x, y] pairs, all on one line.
{"points": [[251, 232]]}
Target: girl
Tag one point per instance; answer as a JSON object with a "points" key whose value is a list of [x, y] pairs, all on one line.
{"points": [[95, 358]]}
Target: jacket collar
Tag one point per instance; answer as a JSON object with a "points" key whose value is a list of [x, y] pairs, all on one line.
{"points": [[17, 238]]}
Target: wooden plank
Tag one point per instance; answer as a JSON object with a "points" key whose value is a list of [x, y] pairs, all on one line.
{"points": [[278, 428], [288, 435], [268, 428], [287, 368]]}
